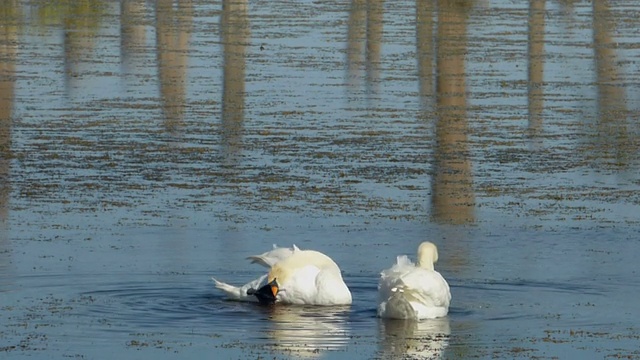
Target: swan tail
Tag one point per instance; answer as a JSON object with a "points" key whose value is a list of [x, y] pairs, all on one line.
{"points": [[403, 260], [397, 306]]}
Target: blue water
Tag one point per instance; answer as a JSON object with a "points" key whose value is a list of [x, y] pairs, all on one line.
{"points": [[150, 291]]}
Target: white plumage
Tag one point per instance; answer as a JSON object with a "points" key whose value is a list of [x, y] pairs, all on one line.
{"points": [[408, 291], [303, 277]]}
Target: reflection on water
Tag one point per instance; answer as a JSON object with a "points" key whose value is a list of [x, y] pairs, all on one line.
{"points": [[234, 33], [536, 68], [414, 339], [425, 53], [452, 197], [375, 12], [364, 43], [132, 31], [9, 13], [81, 21], [307, 331], [356, 40], [9, 17], [173, 28], [613, 139]]}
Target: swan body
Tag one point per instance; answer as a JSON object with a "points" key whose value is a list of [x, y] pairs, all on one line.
{"points": [[309, 277], [301, 277], [408, 291]]}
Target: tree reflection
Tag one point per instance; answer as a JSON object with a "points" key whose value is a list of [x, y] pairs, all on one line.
{"points": [[364, 42], [173, 29], [425, 50], [132, 29], [235, 32], [9, 17], [81, 20], [536, 67], [613, 141], [452, 197]]}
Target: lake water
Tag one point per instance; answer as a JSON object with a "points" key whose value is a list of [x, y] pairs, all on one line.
{"points": [[146, 146]]}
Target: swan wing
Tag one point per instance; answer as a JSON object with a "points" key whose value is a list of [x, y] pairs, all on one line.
{"points": [[392, 277], [428, 287], [271, 257]]}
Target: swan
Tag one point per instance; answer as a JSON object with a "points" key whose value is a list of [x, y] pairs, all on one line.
{"points": [[305, 277], [407, 291]]}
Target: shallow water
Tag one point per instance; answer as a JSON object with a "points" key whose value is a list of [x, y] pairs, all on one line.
{"points": [[145, 147]]}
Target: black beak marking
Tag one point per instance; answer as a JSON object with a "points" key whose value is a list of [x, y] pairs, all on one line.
{"points": [[267, 294]]}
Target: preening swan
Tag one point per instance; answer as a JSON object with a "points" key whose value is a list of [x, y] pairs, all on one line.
{"points": [[408, 291], [303, 277]]}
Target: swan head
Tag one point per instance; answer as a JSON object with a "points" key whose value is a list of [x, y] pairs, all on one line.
{"points": [[267, 294], [427, 255]]}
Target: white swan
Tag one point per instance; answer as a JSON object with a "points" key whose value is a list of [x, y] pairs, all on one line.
{"points": [[407, 291], [304, 277]]}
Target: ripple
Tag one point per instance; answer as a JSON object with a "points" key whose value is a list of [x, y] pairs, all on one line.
{"points": [[186, 307], [151, 303], [522, 285]]}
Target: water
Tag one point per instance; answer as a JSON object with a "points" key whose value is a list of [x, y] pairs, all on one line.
{"points": [[147, 146]]}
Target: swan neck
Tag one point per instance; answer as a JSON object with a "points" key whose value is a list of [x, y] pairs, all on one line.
{"points": [[426, 265]]}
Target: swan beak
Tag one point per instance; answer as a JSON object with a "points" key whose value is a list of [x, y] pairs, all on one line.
{"points": [[267, 294], [274, 287]]}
